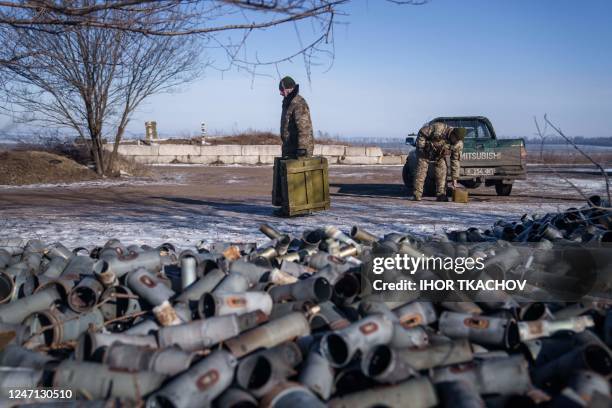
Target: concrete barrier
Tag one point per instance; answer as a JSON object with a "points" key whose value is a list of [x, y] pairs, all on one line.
{"points": [[221, 150], [250, 154], [355, 151], [179, 150], [261, 150]]}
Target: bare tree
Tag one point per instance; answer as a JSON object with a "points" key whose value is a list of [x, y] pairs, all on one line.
{"points": [[542, 135], [226, 24], [90, 79], [88, 64]]}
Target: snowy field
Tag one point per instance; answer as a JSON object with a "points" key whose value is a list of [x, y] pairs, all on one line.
{"points": [[183, 217]]}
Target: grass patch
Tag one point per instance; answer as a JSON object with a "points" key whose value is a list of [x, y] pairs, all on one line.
{"points": [[18, 167]]}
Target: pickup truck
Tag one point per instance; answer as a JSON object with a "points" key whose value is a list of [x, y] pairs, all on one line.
{"points": [[485, 158]]}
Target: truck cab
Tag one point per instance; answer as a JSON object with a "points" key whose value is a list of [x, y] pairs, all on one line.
{"points": [[485, 158]]}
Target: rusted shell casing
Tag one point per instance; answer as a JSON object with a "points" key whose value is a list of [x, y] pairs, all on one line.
{"points": [[16, 356], [269, 231], [7, 287], [18, 310], [151, 261], [346, 289], [438, 354], [314, 289], [199, 385], [143, 328], [237, 398], [56, 267], [118, 301], [460, 394], [166, 314], [149, 286], [234, 282], [318, 375], [312, 239], [335, 233], [58, 250], [85, 295], [270, 334], [382, 364], [252, 272], [504, 376], [368, 307], [281, 309], [419, 391], [226, 303], [290, 395], [340, 346], [281, 244], [592, 357], [19, 378], [134, 358], [328, 316], [588, 383], [205, 284], [404, 337], [98, 381], [416, 314], [260, 372], [484, 330], [91, 346], [51, 327], [188, 271], [202, 334], [77, 267]]}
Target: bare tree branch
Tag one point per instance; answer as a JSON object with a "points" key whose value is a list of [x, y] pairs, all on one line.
{"points": [[582, 152], [92, 80]]}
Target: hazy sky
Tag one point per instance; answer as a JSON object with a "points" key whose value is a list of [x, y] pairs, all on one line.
{"points": [[396, 67]]}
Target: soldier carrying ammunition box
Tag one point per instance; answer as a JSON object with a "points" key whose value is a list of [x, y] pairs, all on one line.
{"points": [[300, 184], [295, 125], [432, 144]]}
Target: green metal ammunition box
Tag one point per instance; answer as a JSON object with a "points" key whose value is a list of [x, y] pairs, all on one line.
{"points": [[300, 186]]}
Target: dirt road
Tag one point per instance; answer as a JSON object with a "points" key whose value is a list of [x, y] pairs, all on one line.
{"points": [[185, 204]]}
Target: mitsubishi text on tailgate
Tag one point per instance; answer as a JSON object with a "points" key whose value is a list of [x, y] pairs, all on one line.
{"points": [[485, 158]]}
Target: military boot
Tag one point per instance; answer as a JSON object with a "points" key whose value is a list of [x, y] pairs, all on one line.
{"points": [[442, 197], [416, 197]]}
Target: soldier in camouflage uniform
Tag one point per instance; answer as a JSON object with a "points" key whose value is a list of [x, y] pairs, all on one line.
{"points": [[433, 142], [295, 127]]}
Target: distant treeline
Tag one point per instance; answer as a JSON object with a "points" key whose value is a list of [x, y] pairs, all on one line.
{"points": [[580, 140]]}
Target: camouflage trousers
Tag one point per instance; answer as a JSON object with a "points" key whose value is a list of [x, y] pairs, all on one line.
{"points": [[421, 173]]}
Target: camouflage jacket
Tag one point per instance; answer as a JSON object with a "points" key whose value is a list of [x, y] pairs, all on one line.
{"points": [[433, 142], [295, 126]]}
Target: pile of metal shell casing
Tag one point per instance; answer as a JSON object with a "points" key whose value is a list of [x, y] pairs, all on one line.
{"points": [[285, 324]]}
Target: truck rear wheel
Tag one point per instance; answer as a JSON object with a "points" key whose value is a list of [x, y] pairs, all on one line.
{"points": [[503, 189], [408, 178], [429, 189]]}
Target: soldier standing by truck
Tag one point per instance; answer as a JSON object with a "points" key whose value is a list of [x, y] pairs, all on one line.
{"points": [[295, 126], [432, 144]]}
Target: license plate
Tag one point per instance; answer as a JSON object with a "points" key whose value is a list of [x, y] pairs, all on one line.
{"points": [[479, 171]]}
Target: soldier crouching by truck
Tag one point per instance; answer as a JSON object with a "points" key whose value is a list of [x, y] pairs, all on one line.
{"points": [[432, 144], [295, 126]]}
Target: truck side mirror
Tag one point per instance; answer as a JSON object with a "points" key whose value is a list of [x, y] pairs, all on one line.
{"points": [[410, 140]]}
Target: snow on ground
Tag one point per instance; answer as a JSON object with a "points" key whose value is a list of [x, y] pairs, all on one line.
{"points": [[105, 183], [184, 222], [239, 222]]}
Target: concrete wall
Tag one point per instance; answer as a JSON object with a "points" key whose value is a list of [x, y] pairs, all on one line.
{"points": [[249, 154]]}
